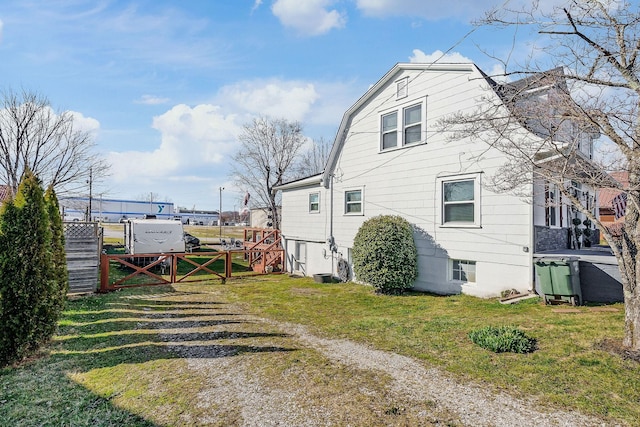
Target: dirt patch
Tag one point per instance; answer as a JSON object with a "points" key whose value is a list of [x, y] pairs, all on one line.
{"points": [[615, 347], [306, 291]]}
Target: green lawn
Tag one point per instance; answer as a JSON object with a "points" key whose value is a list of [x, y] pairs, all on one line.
{"points": [[106, 366]]}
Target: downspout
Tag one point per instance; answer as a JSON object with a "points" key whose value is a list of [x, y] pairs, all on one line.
{"points": [[532, 237], [331, 240]]}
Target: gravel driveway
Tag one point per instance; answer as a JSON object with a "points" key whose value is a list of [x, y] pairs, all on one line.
{"points": [[236, 388]]}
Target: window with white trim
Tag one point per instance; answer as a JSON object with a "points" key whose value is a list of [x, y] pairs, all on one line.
{"points": [[314, 202], [353, 202], [460, 199], [402, 126], [390, 130], [412, 131], [462, 270]]}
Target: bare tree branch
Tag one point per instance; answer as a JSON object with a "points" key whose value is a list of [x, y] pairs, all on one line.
{"points": [[266, 158], [33, 136], [544, 122]]}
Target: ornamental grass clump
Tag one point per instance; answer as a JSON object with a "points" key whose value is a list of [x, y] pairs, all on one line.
{"points": [[502, 339], [385, 255]]}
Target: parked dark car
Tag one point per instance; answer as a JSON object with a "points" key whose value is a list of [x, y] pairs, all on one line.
{"points": [[191, 241]]}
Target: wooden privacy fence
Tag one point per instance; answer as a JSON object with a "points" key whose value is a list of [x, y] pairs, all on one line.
{"points": [[119, 271]]}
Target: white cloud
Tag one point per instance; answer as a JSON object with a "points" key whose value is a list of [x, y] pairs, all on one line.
{"points": [[191, 138], [256, 5], [291, 100], [85, 124], [308, 17], [438, 56], [1, 28], [151, 100]]}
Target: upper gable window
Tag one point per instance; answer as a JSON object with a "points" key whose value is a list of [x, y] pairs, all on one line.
{"points": [[390, 130], [402, 126], [402, 88], [412, 124]]}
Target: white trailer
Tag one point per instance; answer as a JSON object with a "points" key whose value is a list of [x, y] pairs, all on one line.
{"points": [[153, 236]]}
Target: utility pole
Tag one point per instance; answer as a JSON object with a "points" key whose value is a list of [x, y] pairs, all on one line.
{"points": [[220, 212], [90, 193]]}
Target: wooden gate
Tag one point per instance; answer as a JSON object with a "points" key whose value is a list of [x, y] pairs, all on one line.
{"points": [[83, 242], [119, 271]]}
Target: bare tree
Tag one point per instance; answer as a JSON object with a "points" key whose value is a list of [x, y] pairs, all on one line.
{"points": [[33, 136], [265, 159], [545, 122], [313, 160]]}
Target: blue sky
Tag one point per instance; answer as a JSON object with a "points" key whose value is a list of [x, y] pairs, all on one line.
{"points": [[165, 86]]}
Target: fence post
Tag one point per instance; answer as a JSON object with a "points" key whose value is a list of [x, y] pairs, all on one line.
{"points": [[174, 267], [104, 273], [228, 265]]}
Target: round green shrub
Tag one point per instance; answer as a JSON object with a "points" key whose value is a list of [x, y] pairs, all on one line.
{"points": [[385, 255], [502, 339]]}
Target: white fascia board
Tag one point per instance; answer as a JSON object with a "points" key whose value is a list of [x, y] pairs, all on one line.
{"points": [[310, 181]]}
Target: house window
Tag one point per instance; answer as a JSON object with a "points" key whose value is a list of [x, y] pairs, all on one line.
{"points": [[551, 205], [402, 126], [463, 270], [314, 202], [402, 88], [412, 124], [300, 256], [459, 202], [353, 202], [389, 130]]}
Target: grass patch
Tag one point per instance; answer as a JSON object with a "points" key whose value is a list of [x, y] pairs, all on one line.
{"points": [[569, 369], [114, 360]]}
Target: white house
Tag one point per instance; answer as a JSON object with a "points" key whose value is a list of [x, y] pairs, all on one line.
{"points": [[387, 158]]}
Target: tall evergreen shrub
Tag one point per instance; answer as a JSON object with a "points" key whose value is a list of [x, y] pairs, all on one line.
{"points": [[26, 284], [385, 255], [61, 276]]}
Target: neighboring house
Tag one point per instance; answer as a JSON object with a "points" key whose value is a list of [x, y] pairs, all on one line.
{"points": [[606, 197], [388, 159], [262, 218]]}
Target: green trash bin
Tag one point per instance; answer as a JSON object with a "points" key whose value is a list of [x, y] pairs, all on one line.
{"points": [[558, 279]]}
